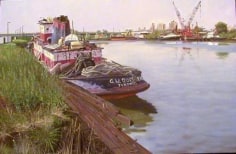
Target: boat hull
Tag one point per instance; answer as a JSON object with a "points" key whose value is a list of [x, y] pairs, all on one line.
{"points": [[118, 93], [114, 92], [122, 38]]}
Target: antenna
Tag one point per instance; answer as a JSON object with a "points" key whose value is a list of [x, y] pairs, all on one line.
{"points": [[72, 25]]}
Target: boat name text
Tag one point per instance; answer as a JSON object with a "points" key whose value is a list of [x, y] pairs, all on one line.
{"points": [[125, 81]]}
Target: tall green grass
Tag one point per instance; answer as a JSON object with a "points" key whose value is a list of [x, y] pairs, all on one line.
{"points": [[24, 82], [33, 98]]}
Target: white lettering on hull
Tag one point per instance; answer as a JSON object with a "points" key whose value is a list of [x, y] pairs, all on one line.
{"points": [[125, 81]]}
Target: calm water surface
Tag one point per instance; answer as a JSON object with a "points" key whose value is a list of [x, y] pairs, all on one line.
{"points": [[191, 104]]}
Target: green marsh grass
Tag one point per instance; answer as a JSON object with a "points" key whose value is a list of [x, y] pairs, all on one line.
{"points": [[32, 96], [24, 82]]}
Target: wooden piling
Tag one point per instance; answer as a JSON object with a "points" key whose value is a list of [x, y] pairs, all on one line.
{"points": [[101, 116]]}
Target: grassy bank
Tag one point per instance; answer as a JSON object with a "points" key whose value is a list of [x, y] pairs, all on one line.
{"points": [[34, 117]]}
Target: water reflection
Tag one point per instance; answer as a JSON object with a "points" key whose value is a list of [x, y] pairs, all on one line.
{"points": [[186, 53], [222, 55], [139, 110]]}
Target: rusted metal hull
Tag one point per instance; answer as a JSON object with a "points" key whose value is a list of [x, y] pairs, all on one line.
{"points": [[112, 87], [117, 93]]}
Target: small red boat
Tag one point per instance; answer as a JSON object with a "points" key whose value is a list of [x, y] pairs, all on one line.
{"points": [[81, 62], [122, 38]]}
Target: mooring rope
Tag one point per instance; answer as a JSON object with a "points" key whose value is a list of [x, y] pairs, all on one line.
{"points": [[86, 67]]}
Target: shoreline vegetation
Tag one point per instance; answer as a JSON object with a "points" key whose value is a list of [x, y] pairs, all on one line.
{"points": [[221, 32], [34, 117]]}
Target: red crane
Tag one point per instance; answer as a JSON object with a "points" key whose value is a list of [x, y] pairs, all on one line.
{"points": [[186, 29]]}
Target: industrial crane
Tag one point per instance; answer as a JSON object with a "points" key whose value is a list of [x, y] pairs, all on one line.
{"points": [[186, 30], [181, 20]]}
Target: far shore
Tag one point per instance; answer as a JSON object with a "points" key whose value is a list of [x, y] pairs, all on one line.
{"points": [[222, 40], [188, 40]]}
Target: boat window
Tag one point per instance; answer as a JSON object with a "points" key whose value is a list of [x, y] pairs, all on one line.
{"points": [[49, 40]]}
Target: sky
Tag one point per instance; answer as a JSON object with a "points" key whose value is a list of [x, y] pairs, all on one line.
{"points": [[112, 15]]}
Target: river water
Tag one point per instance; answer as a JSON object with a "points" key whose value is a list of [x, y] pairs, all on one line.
{"points": [[191, 104]]}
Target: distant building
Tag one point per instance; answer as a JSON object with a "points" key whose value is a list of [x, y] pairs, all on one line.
{"points": [[211, 35], [173, 25], [5, 39], [161, 26], [141, 34], [142, 29], [152, 28], [231, 27]]}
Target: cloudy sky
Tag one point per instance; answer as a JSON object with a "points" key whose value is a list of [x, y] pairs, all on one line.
{"points": [[117, 15]]}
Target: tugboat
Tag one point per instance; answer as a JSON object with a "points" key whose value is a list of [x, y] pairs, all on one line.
{"points": [[81, 63]]}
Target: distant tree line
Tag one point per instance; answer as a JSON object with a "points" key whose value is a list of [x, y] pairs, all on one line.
{"points": [[221, 29]]}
